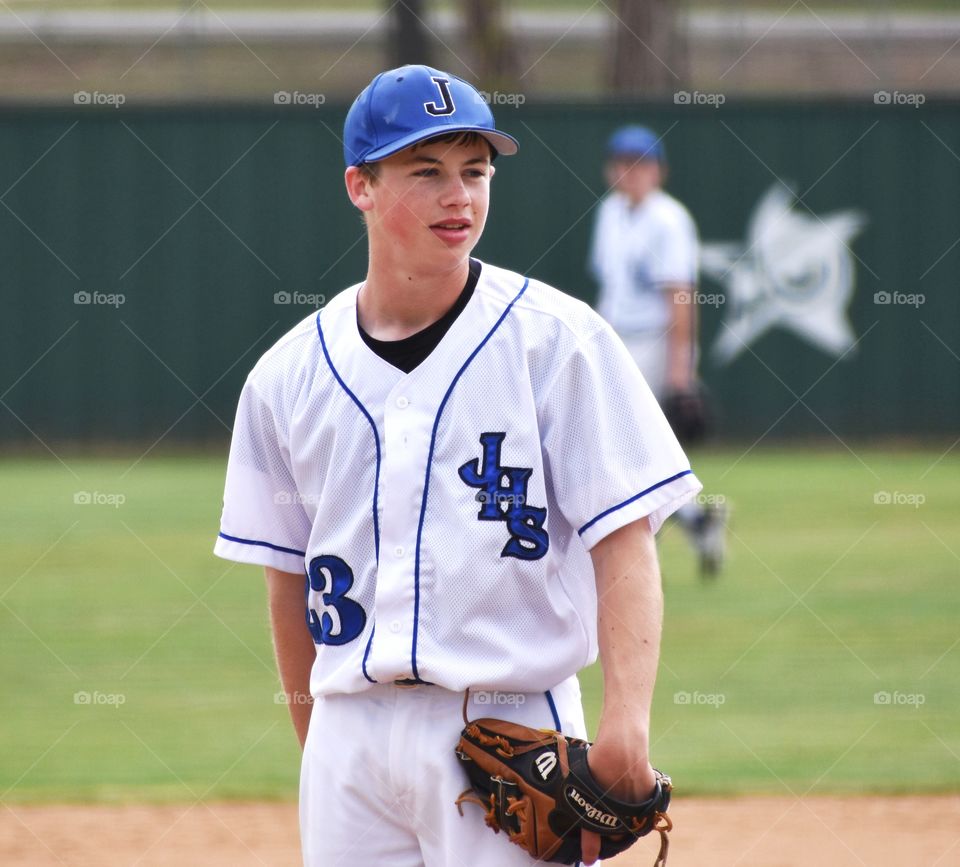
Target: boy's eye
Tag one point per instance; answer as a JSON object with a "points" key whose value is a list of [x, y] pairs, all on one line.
{"points": [[431, 172]]}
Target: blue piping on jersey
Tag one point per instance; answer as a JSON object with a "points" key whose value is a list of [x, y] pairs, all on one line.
{"points": [[269, 545], [553, 710], [426, 481], [376, 437], [590, 523], [376, 479], [366, 653]]}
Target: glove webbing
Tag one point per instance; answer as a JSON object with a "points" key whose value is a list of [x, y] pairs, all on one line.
{"points": [[508, 805]]}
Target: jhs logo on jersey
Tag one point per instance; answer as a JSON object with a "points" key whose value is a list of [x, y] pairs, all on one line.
{"points": [[503, 497]]}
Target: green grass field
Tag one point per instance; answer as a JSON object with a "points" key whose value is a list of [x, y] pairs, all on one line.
{"points": [[767, 684]]}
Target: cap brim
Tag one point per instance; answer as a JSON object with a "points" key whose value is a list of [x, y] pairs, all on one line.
{"points": [[504, 144]]}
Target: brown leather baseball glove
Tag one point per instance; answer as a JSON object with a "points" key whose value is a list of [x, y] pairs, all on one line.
{"points": [[535, 784]]}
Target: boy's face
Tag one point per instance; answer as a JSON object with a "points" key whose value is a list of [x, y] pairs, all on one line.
{"points": [[429, 203], [634, 177]]}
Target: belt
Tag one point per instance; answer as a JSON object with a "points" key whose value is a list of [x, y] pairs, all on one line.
{"points": [[410, 683]]}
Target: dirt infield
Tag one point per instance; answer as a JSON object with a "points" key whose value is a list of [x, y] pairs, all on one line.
{"points": [[752, 832]]}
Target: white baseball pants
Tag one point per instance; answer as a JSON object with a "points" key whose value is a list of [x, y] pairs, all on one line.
{"points": [[379, 777]]}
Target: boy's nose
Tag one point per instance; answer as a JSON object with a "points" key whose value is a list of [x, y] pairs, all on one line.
{"points": [[455, 193]]}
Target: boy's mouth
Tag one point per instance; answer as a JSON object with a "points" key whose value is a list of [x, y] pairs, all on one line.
{"points": [[453, 230]]}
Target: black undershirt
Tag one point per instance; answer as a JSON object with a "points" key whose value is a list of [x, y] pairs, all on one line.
{"points": [[406, 354]]}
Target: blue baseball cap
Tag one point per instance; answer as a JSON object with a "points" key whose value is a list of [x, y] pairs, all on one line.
{"points": [[638, 142], [403, 106]]}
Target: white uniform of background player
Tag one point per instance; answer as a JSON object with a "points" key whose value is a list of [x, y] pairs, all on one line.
{"points": [[644, 256], [450, 519], [638, 251]]}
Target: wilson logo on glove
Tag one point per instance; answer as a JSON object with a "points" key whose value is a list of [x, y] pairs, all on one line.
{"points": [[545, 764], [592, 813]]}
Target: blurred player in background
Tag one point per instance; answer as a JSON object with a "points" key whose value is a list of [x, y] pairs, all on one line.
{"points": [[644, 257]]}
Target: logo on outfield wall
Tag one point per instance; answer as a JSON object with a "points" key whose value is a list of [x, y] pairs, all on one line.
{"points": [[794, 270]]}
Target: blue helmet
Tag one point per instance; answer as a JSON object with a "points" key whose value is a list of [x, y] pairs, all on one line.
{"points": [[637, 142]]}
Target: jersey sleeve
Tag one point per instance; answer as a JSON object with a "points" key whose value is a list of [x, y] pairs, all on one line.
{"points": [[676, 261], [613, 458], [263, 520]]}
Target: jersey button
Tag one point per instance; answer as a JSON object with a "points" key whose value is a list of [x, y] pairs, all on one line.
{"points": [[402, 402], [395, 626], [398, 551]]}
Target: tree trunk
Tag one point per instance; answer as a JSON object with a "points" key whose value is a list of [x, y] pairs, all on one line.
{"points": [[649, 56], [408, 38], [493, 56]]}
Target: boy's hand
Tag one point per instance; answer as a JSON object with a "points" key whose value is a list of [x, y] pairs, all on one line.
{"points": [[622, 774]]}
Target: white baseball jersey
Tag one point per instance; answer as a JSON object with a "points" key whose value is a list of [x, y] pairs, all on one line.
{"points": [[637, 252], [444, 517]]}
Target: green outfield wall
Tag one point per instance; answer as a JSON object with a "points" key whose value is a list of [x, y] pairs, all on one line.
{"points": [[149, 256]]}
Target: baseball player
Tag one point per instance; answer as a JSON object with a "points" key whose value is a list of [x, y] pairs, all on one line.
{"points": [[453, 475], [644, 257]]}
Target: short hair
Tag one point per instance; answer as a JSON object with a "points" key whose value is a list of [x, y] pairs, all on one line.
{"points": [[466, 138]]}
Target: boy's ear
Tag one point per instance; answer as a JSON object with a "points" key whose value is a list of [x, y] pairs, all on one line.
{"points": [[493, 170], [358, 188]]}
